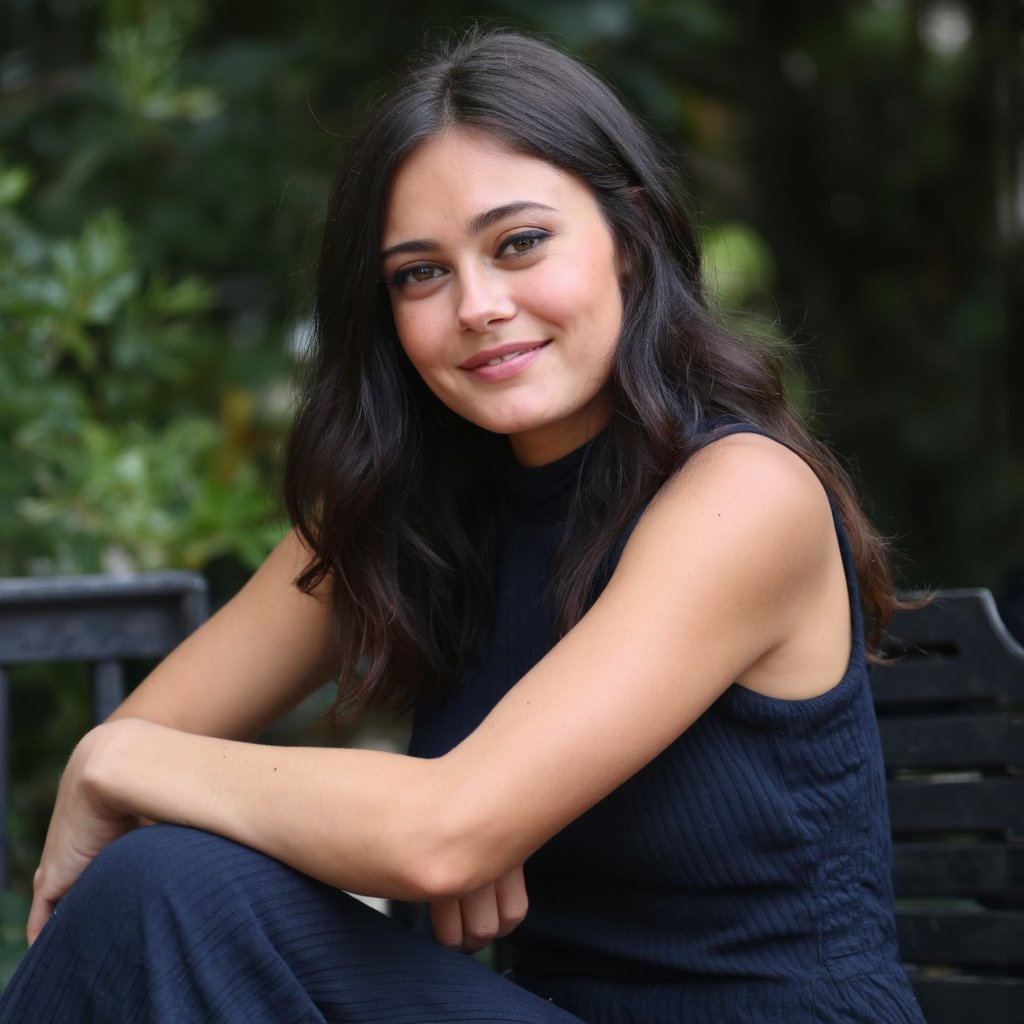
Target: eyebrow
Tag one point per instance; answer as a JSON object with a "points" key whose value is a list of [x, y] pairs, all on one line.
{"points": [[479, 223]]}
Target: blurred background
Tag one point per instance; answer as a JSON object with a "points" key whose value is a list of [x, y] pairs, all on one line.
{"points": [[857, 167]]}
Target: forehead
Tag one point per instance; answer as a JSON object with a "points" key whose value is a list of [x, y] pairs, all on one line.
{"points": [[453, 177]]}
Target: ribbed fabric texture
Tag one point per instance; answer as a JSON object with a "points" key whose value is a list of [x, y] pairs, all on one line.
{"points": [[743, 876], [174, 926], [740, 878]]}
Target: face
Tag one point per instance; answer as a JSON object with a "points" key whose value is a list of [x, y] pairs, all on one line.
{"points": [[504, 290]]}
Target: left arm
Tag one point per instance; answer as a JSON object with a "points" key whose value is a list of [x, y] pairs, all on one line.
{"points": [[724, 574]]}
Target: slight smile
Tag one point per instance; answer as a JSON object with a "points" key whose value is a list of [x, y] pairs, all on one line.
{"points": [[502, 361]]}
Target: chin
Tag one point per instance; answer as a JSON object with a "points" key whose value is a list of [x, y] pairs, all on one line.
{"points": [[510, 425]]}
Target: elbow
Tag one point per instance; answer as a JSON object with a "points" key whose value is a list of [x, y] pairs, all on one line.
{"points": [[452, 852], [437, 869], [432, 879]]}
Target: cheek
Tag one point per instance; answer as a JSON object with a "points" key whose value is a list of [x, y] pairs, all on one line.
{"points": [[590, 298], [417, 336]]}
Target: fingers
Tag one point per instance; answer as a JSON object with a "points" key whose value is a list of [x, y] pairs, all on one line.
{"points": [[481, 919], [80, 827], [446, 922], [474, 921], [38, 915], [512, 900], [46, 894]]}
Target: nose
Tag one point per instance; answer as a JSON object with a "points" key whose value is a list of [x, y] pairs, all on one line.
{"points": [[484, 299]]}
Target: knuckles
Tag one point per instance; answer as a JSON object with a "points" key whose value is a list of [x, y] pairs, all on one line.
{"points": [[450, 940], [476, 939], [471, 923], [513, 915]]}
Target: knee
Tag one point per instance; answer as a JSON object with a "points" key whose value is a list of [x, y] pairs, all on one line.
{"points": [[161, 860], [138, 882]]}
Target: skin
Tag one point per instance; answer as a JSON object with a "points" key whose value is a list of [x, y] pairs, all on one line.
{"points": [[738, 546], [489, 251]]}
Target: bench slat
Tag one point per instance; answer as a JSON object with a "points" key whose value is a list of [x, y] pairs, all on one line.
{"points": [[984, 1000], [950, 679], [948, 869], [955, 648], [982, 805], [963, 937], [945, 741]]}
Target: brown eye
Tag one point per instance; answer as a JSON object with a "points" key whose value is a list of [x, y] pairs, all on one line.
{"points": [[418, 274], [523, 243]]}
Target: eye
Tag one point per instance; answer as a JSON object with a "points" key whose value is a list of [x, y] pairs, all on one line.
{"points": [[419, 273], [522, 243]]}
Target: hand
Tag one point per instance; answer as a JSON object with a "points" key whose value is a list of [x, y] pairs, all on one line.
{"points": [[469, 923], [81, 825]]}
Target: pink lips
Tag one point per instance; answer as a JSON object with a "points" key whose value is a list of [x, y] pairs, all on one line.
{"points": [[502, 361]]}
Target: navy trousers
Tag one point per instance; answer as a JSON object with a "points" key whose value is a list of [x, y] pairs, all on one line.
{"points": [[171, 925]]}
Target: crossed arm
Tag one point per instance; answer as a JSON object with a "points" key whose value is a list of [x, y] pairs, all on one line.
{"points": [[731, 574]]}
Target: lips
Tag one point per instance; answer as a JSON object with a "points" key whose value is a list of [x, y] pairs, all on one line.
{"points": [[500, 354]]}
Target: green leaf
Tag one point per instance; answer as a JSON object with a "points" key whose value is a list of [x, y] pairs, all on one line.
{"points": [[14, 184], [187, 297], [739, 264]]}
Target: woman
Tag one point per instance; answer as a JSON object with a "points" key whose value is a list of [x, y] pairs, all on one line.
{"points": [[631, 633]]}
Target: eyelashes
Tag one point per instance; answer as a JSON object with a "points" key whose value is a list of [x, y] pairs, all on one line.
{"points": [[419, 273], [522, 243], [533, 237]]}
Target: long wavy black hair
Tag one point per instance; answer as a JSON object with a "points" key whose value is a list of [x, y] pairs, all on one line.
{"points": [[381, 480]]}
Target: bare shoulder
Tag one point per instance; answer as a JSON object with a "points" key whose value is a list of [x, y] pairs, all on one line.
{"points": [[742, 540], [745, 532], [752, 470], [745, 489]]}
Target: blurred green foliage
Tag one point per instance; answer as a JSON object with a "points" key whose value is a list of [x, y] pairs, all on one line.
{"points": [[109, 388], [143, 402], [163, 166]]}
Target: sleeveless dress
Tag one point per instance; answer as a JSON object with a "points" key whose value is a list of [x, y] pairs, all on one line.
{"points": [[742, 877]]}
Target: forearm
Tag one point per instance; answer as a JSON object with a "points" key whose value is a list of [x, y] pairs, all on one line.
{"points": [[366, 821]]}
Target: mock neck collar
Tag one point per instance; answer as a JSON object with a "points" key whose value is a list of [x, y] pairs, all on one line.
{"points": [[541, 493]]}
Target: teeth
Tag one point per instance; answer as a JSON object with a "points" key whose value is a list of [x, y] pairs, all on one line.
{"points": [[502, 359]]}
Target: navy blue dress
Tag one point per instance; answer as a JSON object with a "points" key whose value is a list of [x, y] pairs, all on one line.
{"points": [[740, 878], [743, 876]]}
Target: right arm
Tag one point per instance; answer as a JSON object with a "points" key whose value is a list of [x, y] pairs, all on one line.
{"points": [[266, 649], [269, 647], [739, 546]]}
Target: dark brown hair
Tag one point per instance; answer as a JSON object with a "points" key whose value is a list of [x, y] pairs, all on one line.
{"points": [[398, 527]]}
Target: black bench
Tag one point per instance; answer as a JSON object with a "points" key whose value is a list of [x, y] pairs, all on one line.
{"points": [[951, 715], [102, 620]]}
